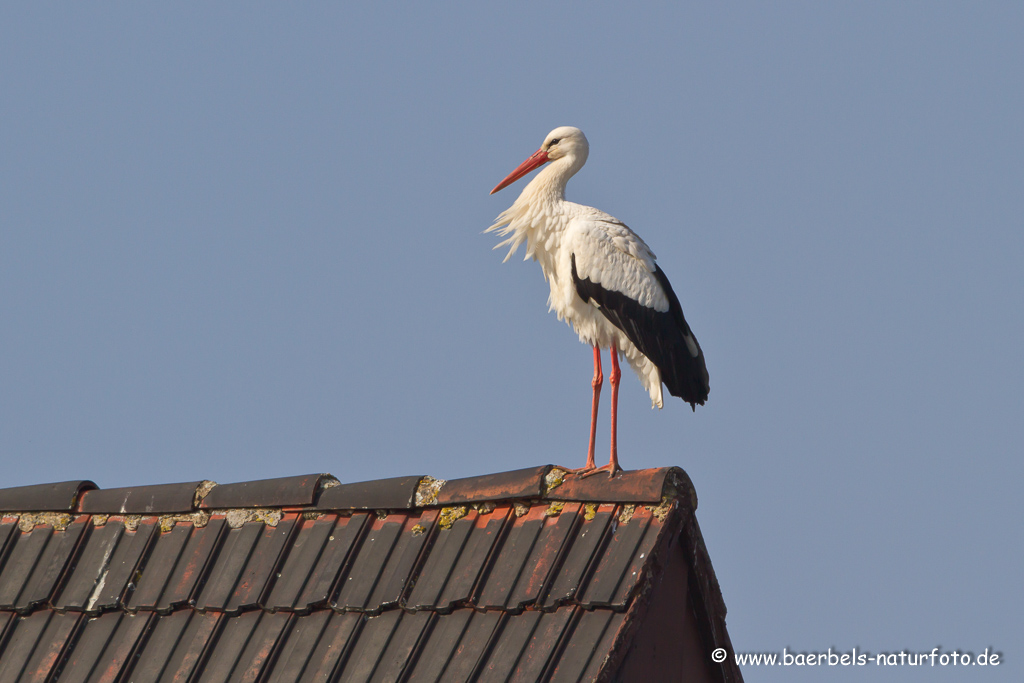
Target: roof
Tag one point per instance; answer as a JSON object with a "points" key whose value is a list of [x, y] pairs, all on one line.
{"points": [[524, 576]]}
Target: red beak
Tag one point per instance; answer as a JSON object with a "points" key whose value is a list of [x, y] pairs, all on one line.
{"points": [[538, 158]]}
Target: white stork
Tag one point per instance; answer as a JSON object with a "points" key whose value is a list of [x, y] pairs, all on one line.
{"points": [[604, 283]]}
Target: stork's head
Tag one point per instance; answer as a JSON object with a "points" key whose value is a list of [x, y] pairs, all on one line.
{"points": [[564, 142]]}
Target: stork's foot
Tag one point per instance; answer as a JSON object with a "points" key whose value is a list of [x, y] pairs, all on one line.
{"points": [[612, 468]]}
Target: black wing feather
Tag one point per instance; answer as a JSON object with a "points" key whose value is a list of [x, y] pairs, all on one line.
{"points": [[661, 336]]}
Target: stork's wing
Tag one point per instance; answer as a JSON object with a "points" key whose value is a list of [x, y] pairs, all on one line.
{"points": [[611, 255], [613, 269]]}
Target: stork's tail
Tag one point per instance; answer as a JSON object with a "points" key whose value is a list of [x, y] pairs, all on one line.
{"points": [[684, 375]]}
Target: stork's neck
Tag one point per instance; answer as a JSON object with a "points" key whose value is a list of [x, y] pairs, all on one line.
{"points": [[549, 185], [539, 212]]}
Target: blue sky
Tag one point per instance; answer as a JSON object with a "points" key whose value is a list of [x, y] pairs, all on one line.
{"points": [[245, 241]]}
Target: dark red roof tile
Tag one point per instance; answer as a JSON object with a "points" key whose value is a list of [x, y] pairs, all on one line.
{"points": [[457, 559], [21, 636], [367, 649], [6, 619], [101, 647], [244, 647], [508, 648], [587, 646], [118, 580], [475, 559], [511, 562], [35, 645], [622, 547], [191, 567], [372, 557], [439, 644], [400, 571], [465, 657], [333, 561], [104, 651], [21, 553], [398, 493], [154, 652], [62, 496], [98, 545], [140, 500], [154, 572], [296, 654], [192, 641], [444, 553], [539, 654], [34, 562], [284, 492], [232, 556], [333, 647], [527, 483], [636, 486], [406, 639], [546, 556], [302, 557], [260, 571], [577, 564], [8, 530]]}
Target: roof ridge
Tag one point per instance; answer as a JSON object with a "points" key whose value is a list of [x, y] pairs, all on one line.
{"points": [[325, 492]]}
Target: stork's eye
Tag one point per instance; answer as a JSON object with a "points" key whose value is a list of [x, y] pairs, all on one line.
{"points": [[553, 142]]}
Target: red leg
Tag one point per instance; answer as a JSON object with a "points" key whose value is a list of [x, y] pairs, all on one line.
{"points": [[612, 468], [596, 384], [613, 460]]}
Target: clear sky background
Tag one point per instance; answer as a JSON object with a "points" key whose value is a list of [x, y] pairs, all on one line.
{"points": [[245, 241]]}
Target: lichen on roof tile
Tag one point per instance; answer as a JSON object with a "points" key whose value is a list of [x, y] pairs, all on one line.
{"points": [[626, 514], [239, 516], [131, 522], [661, 511], [450, 515], [485, 507], [198, 519], [553, 479], [202, 491], [427, 490], [30, 520], [554, 509]]}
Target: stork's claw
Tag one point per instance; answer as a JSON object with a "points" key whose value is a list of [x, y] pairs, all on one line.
{"points": [[612, 468]]}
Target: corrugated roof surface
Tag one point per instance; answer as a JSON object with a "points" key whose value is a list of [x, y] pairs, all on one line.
{"points": [[490, 588]]}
